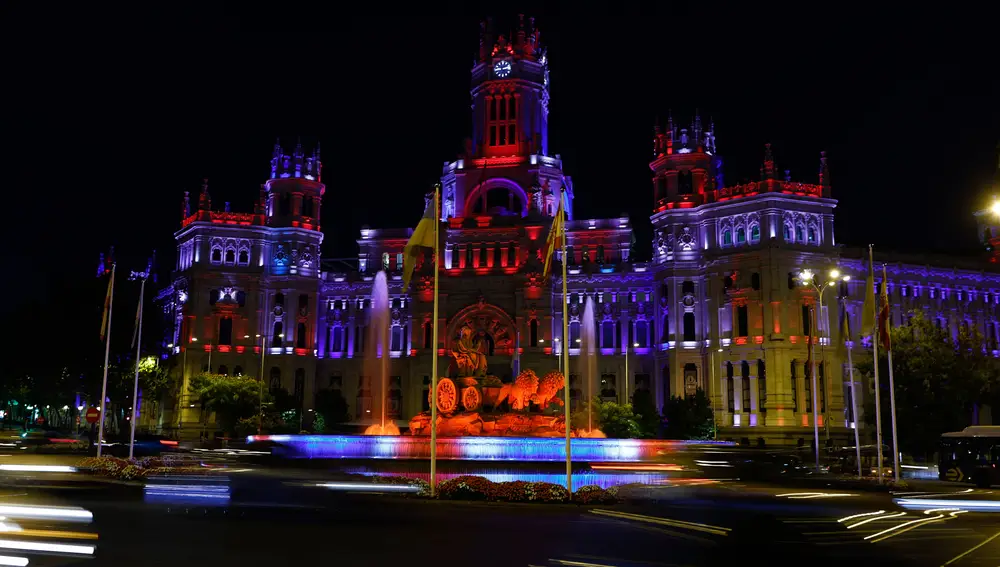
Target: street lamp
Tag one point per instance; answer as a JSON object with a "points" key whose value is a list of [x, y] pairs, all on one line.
{"points": [[808, 278]]}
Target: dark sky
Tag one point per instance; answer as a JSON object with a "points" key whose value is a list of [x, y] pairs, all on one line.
{"points": [[112, 112]]}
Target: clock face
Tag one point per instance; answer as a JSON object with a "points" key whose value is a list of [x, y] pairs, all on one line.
{"points": [[501, 69]]}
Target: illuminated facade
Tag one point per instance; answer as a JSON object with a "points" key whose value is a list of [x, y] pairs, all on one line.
{"points": [[718, 306]]}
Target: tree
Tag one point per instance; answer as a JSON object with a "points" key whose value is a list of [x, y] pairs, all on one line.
{"points": [[331, 405], [613, 419], [689, 417], [940, 381], [649, 419], [232, 398]]}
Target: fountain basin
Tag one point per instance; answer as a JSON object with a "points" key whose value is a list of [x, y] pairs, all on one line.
{"points": [[527, 449]]}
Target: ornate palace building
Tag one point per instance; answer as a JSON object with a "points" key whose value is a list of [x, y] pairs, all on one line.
{"points": [[719, 306]]}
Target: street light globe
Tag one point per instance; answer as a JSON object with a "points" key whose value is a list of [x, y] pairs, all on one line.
{"points": [[541, 340], [194, 339], [281, 335], [835, 273], [578, 341], [806, 276], [995, 207], [257, 335], [846, 278], [171, 345], [79, 408], [635, 345], [246, 336]]}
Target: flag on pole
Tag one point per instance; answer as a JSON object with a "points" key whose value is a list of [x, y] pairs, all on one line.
{"points": [[883, 315], [107, 308], [868, 311], [845, 327], [555, 239], [422, 237]]}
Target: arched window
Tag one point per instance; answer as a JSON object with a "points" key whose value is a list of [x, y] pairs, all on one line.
{"points": [[727, 237], [216, 255], [787, 233], [275, 384], [685, 185], [226, 331], [812, 235], [223, 370], [279, 299], [642, 333], [800, 233], [607, 334], [300, 385], [533, 332], [428, 336], [338, 339], [300, 336], [746, 386], [276, 334], [755, 233], [307, 207], [755, 281], [238, 371], [396, 338], [689, 333], [665, 329], [762, 387], [730, 387], [574, 334], [741, 235], [230, 256]]}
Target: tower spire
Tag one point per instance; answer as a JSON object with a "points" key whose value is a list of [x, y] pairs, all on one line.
{"points": [[767, 172], [204, 200], [824, 172]]}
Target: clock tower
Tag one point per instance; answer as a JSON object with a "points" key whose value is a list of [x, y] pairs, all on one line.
{"points": [[510, 93], [506, 169]]}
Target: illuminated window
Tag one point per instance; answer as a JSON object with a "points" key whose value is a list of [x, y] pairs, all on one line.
{"points": [[755, 233], [812, 235], [741, 235], [800, 233], [501, 120], [787, 233], [795, 391], [727, 237]]}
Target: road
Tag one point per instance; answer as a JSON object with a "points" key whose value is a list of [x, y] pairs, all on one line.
{"points": [[256, 519]]}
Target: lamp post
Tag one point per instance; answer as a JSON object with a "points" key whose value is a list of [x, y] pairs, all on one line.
{"points": [[808, 278]]}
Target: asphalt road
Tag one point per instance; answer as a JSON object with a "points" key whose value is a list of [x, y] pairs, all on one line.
{"points": [[265, 520]]}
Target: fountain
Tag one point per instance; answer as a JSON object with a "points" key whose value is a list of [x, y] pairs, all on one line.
{"points": [[377, 356], [588, 366]]}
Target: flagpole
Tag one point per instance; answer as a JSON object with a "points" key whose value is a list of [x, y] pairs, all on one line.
{"points": [[434, 346], [107, 353], [565, 347], [135, 386], [854, 389], [892, 396], [878, 389]]}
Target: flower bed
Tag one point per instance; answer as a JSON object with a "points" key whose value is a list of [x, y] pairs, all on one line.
{"points": [[138, 469], [468, 487]]}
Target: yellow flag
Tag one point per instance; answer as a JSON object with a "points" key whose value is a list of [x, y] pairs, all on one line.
{"points": [[422, 237], [107, 307], [554, 240]]}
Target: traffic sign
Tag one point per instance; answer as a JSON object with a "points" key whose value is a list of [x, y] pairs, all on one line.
{"points": [[954, 475], [93, 414], [40, 420]]}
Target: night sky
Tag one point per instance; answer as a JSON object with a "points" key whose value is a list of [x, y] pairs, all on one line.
{"points": [[111, 114]]}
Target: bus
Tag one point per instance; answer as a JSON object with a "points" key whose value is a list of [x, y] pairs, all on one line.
{"points": [[971, 455]]}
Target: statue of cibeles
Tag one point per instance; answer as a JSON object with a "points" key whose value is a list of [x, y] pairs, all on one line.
{"points": [[468, 358]]}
